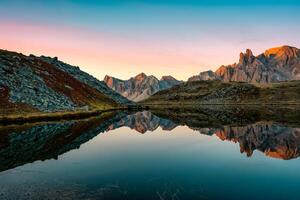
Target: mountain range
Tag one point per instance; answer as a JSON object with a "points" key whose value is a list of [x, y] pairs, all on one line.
{"points": [[274, 65], [143, 122], [141, 86], [32, 84]]}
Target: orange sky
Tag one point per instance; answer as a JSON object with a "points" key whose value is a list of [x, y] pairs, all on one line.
{"points": [[100, 53]]}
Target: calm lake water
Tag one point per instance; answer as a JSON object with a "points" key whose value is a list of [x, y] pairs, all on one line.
{"points": [[149, 155]]}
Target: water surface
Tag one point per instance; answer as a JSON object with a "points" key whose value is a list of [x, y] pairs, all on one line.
{"points": [[153, 155]]}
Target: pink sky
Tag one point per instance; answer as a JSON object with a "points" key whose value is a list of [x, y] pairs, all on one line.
{"points": [[123, 56]]}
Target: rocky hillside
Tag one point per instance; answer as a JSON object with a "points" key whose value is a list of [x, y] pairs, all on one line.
{"points": [[41, 84], [274, 65], [217, 92], [141, 86], [87, 79]]}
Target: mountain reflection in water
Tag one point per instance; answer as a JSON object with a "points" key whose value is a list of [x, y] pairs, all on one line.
{"points": [[157, 154], [27, 143]]}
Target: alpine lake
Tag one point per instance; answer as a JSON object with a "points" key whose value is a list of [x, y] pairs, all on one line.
{"points": [[171, 153]]}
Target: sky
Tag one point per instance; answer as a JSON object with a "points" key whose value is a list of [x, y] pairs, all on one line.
{"points": [[158, 37]]}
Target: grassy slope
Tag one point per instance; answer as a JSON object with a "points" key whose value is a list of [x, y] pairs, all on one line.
{"points": [[215, 92], [54, 116], [79, 93]]}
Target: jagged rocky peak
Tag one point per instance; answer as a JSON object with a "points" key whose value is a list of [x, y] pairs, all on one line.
{"points": [[204, 76], [140, 76], [274, 65], [141, 86], [221, 70], [168, 78], [247, 57], [109, 80], [168, 82], [288, 51]]}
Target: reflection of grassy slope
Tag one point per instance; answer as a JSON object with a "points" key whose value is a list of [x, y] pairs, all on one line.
{"points": [[216, 116], [215, 92]]}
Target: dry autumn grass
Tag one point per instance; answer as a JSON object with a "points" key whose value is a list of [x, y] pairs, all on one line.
{"points": [[232, 93], [53, 116]]}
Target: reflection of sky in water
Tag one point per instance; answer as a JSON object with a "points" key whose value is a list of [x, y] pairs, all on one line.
{"points": [[180, 163]]}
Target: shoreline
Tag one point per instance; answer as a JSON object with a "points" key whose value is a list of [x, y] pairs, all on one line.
{"points": [[218, 104], [73, 115], [57, 116]]}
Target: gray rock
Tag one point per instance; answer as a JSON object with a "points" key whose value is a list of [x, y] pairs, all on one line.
{"points": [[25, 86], [274, 65], [141, 86], [205, 76]]}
